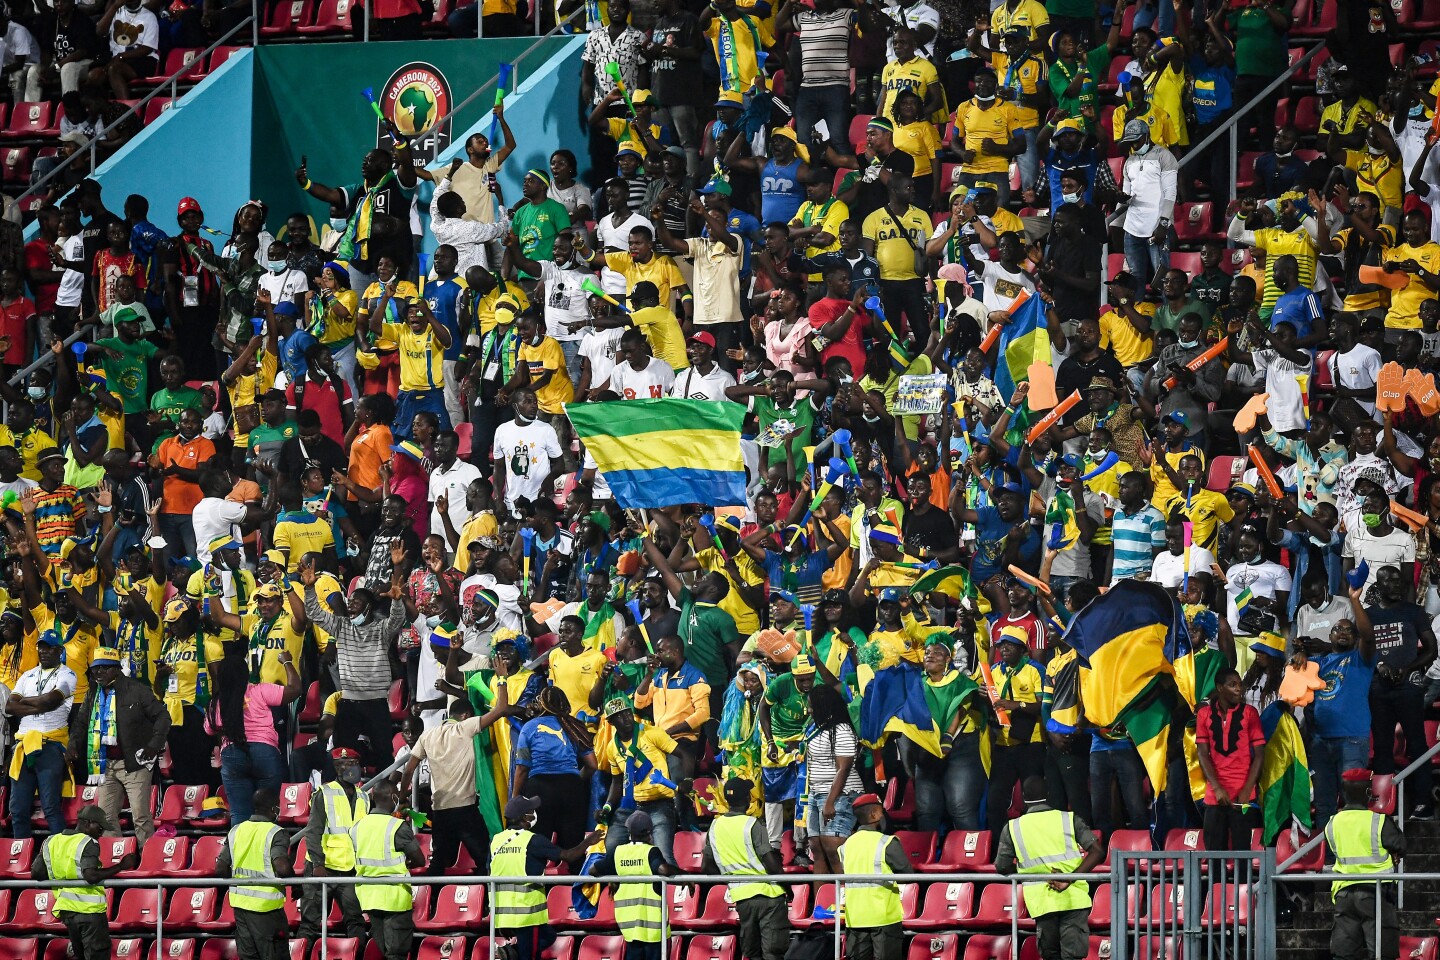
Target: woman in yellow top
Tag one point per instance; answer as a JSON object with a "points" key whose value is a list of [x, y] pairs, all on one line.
{"points": [[1166, 80], [1419, 257], [422, 340], [182, 681], [17, 648], [917, 137], [388, 298], [330, 317]]}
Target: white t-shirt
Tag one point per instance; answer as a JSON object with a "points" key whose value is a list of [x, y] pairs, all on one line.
{"points": [[134, 27], [1003, 287], [72, 282], [525, 452], [1393, 549], [1264, 579], [1286, 406], [507, 595], [914, 17], [1359, 368], [453, 483], [612, 238], [572, 198], [599, 346], [284, 286], [37, 681], [652, 383], [691, 384], [19, 486], [565, 302], [214, 517], [1168, 570], [599, 487], [18, 46]]}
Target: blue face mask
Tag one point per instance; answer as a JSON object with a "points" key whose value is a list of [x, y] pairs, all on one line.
{"points": [[276, 266], [1418, 110], [1188, 344]]}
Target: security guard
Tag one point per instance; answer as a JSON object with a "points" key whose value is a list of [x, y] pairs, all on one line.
{"points": [[336, 807], [259, 849], [385, 847], [520, 909], [639, 911], [739, 846], [74, 855], [1364, 842], [872, 910], [1052, 841]]}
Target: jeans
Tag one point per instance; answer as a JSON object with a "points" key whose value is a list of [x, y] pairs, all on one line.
{"points": [[1120, 766], [662, 817], [685, 121], [178, 529], [1067, 776], [43, 773], [831, 104], [1029, 160], [951, 786], [571, 349], [1001, 180], [243, 770], [1329, 758], [1400, 703], [1145, 259]]}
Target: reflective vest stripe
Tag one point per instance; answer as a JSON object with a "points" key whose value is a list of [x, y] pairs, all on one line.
{"points": [[1377, 853], [1024, 862], [249, 845]]}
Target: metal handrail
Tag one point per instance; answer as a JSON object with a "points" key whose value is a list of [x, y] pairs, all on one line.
{"points": [[491, 83], [46, 357], [172, 81]]}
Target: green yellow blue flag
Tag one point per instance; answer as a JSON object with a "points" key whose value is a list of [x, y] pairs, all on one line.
{"points": [[1285, 792]]}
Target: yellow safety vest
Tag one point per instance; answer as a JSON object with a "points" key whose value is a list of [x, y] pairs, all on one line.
{"points": [[869, 905], [62, 853], [1354, 836], [340, 816], [249, 844], [733, 851], [1045, 843], [377, 856], [639, 913], [516, 904]]}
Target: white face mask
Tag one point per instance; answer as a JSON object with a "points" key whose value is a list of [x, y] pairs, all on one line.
{"points": [[35, 393], [1143, 149], [1373, 151], [1069, 198], [1188, 344], [984, 101], [359, 619]]}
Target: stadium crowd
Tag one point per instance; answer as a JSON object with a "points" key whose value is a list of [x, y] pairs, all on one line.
{"points": [[356, 476]]}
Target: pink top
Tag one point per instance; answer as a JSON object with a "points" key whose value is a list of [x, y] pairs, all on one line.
{"points": [[259, 724], [783, 349]]}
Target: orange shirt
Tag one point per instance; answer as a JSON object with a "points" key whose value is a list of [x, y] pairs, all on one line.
{"points": [[939, 486], [181, 496], [370, 449]]}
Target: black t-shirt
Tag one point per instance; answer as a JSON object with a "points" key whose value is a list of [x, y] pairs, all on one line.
{"points": [[64, 39], [393, 202], [296, 455], [1397, 634], [1074, 260], [1076, 374], [931, 529], [872, 193], [675, 82]]}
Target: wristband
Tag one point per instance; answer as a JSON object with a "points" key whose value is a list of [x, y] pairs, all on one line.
{"points": [[103, 509], [306, 186]]}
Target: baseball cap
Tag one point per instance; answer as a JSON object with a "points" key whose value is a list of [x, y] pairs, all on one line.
{"points": [[615, 706], [1269, 643], [410, 448], [891, 594], [702, 337], [639, 822], [93, 814], [50, 638], [1178, 416], [1069, 125], [175, 609], [227, 542], [866, 800], [802, 665], [716, 185], [274, 556], [186, 205], [641, 97], [738, 788], [625, 148], [1015, 635], [1242, 488], [785, 595], [106, 657], [983, 187], [1125, 278], [1134, 130], [833, 595], [269, 590], [126, 315], [517, 807], [730, 98]]}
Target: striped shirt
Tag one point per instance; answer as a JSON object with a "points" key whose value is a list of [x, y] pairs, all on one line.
{"points": [[825, 49], [1137, 537], [57, 516], [363, 652]]}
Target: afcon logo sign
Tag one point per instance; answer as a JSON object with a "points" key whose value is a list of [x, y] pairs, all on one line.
{"points": [[416, 96]]}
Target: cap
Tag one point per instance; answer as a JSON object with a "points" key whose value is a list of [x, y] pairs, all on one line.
{"points": [[175, 609], [716, 185], [702, 337], [50, 638], [1125, 278], [126, 315], [785, 132], [275, 557], [833, 596], [93, 814], [344, 753], [68, 545], [638, 822], [738, 788], [1069, 125], [285, 309], [615, 705], [1374, 474], [729, 522], [442, 636], [1356, 775], [1269, 643], [1101, 383], [186, 205], [730, 98], [1134, 130], [228, 542], [410, 448], [802, 666], [1242, 488], [269, 590], [601, 519], [1071, 460], [983, 187], [865, 800], [891, 594], [785, 595], [1178, 416], [49, 453], [627, 148], [517, 807], [1016, 635], [880, 123], [106, 657], [641, 97]]}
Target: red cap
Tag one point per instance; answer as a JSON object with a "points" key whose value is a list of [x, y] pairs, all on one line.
{"points": [[702, 337], [1357, 775], [186, 205], [344, 753], [865, 799]]}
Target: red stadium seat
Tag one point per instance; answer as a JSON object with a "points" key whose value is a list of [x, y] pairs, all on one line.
{"points": [[1193, 222], [183, 802], [900, 801], [562, 911], [131, 948], [336, 948], [465, 432], [1114, 263], [718, 913], [689, 851], [682, 904], [32, 121], [1322, 25], [285, 19], [1307, 112], [994, 910], [399, 702], [440, 948], [34, 913], [298, 949], [944, 906], [1382, 788], [183, 949], [156, 107], [57, 949], [964, 851], [1419, 948], [858, 123], [562, 949], [1427, 20], [1185, 840], [193, 909], [218, 949], [203, 855], [71, 807], [707, 947], [1285, 848], [139, 908], [919, 845], [596, 947], [802, 908], [1227, 905], [177, 60], [19, 948], [459, 907], [310, 714], [945, 946], [1167, 902], [1157, 948], [787, 853], [295, 804], [218, 56], [331, 17], [986, 947], [15, 164], [1189, 262], [114, 849], [15, 859]]}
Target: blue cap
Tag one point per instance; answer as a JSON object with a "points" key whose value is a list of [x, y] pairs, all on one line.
{"points": [[1179, 416], [785, 595], [286, 309], [1072, 460], [891, 594], [50, 638]]}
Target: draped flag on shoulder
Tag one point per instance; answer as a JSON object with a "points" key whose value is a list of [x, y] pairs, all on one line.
{"points": [[1285, 792], [1134, 650], [658, 453], [892, 701]]}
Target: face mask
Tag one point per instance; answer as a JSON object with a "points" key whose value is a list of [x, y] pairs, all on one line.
{"points": [[432, 622], [276, 266], [1373, 151], [1372, 519], [35, 393], [1098, 454], [984, 101], [351, 774], [359, 619], [1188, 344], [538, 339], [1418, 110], [521, 419], [1142, 150], [1070, 197], [1284, 156]]}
